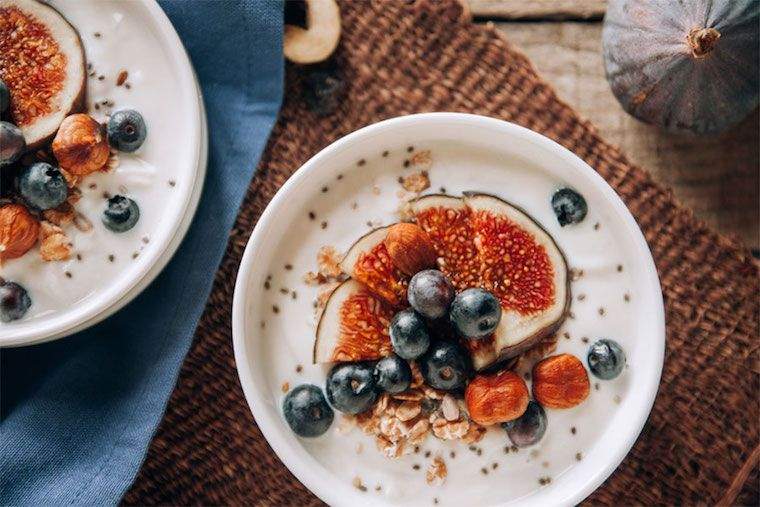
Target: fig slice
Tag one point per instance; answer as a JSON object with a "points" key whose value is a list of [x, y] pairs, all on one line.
{"points": [[484, 241], [42, 61], [354, 326], [317, 41], [524, 268], [369, 262]]}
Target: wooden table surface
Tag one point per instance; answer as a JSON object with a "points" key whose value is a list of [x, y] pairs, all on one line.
{"points": [[717, 177]]}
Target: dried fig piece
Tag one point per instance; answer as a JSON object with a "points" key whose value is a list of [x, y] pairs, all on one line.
{"points": [[81, 146], [18, 231], [560, 381], [496, 398]]}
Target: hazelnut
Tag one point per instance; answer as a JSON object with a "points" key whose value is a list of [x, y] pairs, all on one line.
{"points": [[410, 248], [18, 231], [560, 381], [81, 146], [496, 398]]}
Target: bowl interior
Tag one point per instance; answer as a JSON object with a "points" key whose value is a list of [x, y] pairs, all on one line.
{"points": [[351, 186], [135, 37]]}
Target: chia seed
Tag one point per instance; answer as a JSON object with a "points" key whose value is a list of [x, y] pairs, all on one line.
{"points": [[407, 163], [68, 274], [626, 297], [312, 216], [415, 466], [409, 149], [601, 311], [573, 430], [620, 268], [581, 297], [323, 225], [597, 226], [584, 339], [299, 368], [578, 456], [484, 471], [111, 258], [275, 309], [361, 162], [172, 183], [325, 189], [385, 153], [289, 267]]}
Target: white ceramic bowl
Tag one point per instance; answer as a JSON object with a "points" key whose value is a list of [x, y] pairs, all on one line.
{"points": [[139, 37], [268, 345]]}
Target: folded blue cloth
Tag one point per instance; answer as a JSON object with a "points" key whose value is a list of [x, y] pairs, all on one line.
{"points": [[78, 414]]}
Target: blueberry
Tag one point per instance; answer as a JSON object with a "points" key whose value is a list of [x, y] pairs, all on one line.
{"points": [[569, 206], [126, 130], [14, 301], [12, 143], [393, 374], [430, 293], [5, 97], [322, 91], [475, 313], [43, 186], [351, 387], [529, 428], [409, 335], [606, 359], [121, 214], [445, 366], [306, 411]]}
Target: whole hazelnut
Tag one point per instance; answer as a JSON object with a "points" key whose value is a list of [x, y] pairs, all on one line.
{"points": [[18, 231], [560, 381], [496, 398], [81, 146]]}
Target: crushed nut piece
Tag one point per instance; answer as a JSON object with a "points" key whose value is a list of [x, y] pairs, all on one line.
{"points": [[436, 472], [408, 410], [328, 262], [55, 245], [449, 408], [446, 430], [422, 159], [415, 182]]}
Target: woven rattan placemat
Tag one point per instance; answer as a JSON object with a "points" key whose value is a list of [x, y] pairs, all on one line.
{"points": [[700, 444]]}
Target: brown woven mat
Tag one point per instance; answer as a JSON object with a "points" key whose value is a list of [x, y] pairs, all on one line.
{"points": [[700, 444]]}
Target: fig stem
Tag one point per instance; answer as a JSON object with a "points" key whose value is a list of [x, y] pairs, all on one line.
{"points": [[702, 41]]}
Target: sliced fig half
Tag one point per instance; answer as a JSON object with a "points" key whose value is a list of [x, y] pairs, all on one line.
{"points": [[369, 262], [354, 326], [524, 268], [42, 61], [484, 241]]}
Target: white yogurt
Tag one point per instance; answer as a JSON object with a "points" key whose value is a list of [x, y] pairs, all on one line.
{"points": [[287, 338], [158, 176]]}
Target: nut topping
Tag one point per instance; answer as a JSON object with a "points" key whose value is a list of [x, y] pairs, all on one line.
{"points": [[410, 248], [55, 245], [18, 231], [80, 145], [560, 381], [496, 398]]}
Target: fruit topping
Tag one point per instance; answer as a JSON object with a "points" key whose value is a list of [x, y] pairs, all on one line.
{"points": [[12, 143], [18, 231], [322, 91], [307, 412], [445, 366], [410, 248], [483, 241], [496, 398], [475, 313], [529, 428], [80, 146], [369, 262], [42, 63], [319, 38], [5, 97], [43, 186], [351, 387], [393, 374], [606, 359], [14, 301], [569, 206], [409, 335], [126, 130], [448, 223], [121, 214], [353, 326], [430, 293], [560, 381]]}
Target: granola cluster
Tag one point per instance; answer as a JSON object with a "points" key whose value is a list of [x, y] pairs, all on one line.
{"points": [[400, 422]]}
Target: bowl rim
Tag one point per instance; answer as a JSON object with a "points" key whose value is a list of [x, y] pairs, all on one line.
{"points": [[65, 323], [307, 470]]}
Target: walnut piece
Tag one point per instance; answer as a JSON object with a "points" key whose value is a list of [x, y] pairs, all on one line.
{"points": [[328, 262], [415, 182], [80, 145], [436, 472], [18, 231], [55, 245]]}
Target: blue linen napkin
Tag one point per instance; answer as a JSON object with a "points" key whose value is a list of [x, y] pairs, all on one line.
{"points": [[78, 414]]}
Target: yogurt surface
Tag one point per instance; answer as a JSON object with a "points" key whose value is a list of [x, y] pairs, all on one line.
{"points": [[119, 37], [606, 303]]}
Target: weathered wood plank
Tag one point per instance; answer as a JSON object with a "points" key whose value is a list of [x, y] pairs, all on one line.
{"points": [[718, 177], [538, 9]]}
